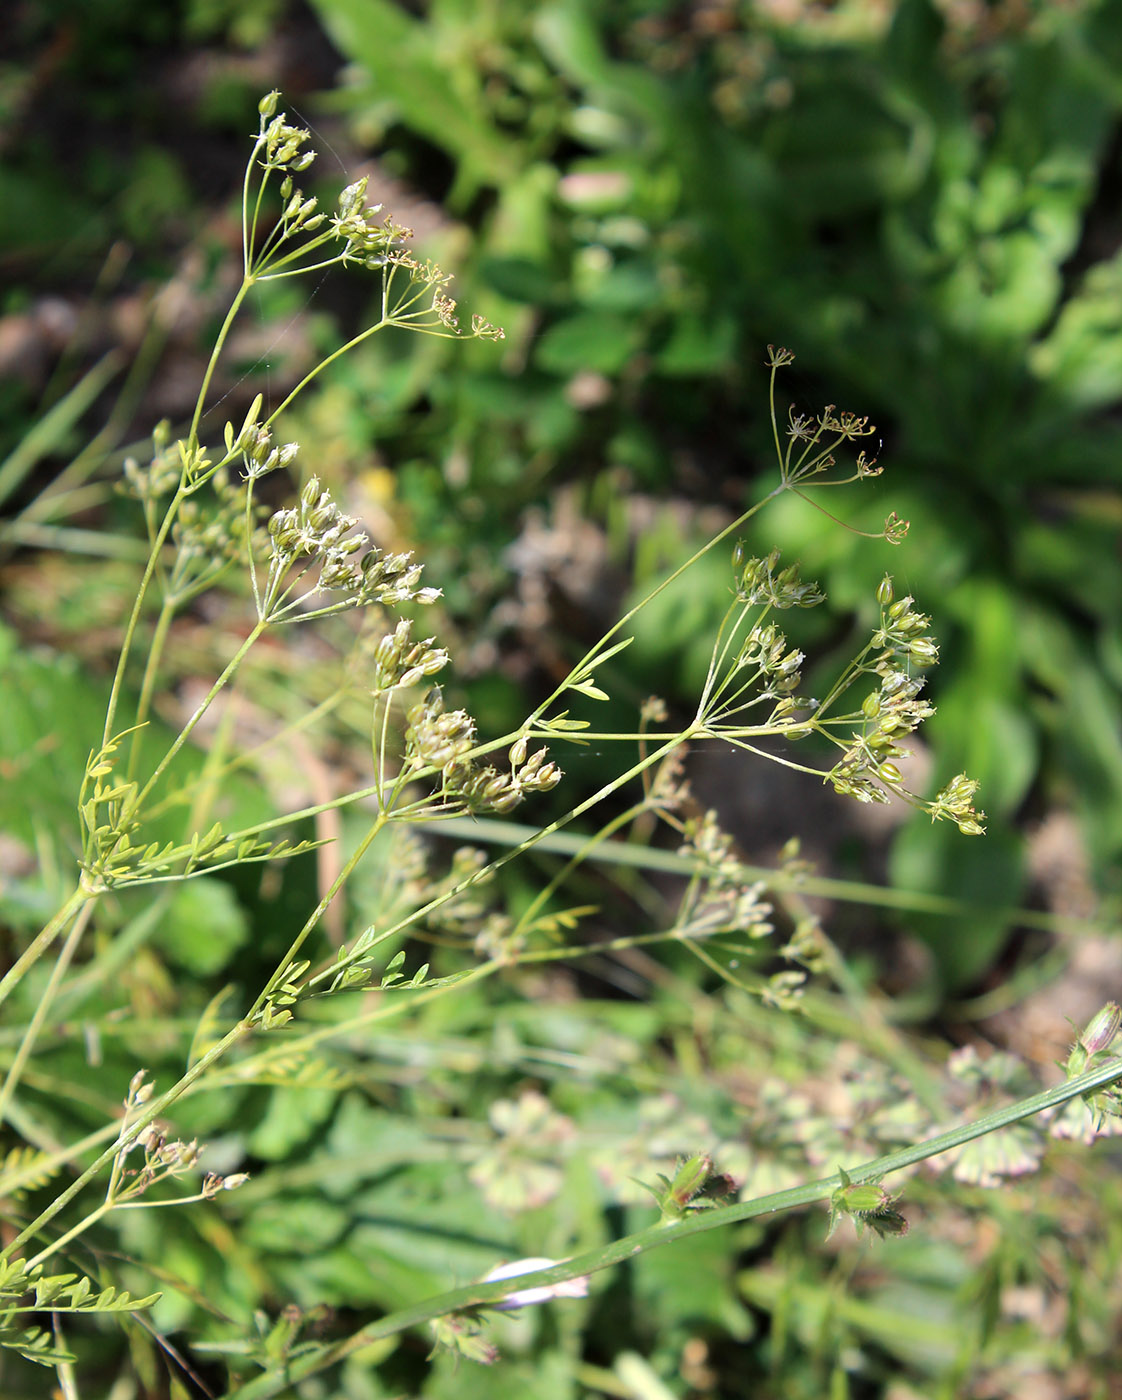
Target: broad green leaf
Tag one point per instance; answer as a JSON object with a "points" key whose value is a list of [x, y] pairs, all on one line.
{"points": [[294, 1225], [291, 1118], [435, 91], [589, 340], [203, 927]]}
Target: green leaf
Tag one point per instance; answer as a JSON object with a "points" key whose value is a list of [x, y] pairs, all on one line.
{"points": [[295, 1225], [53, 430], [589, 340], [987, 874], [699, 346], [291, 1118], [436, 92], [204, 926], [691, 1283], [36, 1345], [1082, 357], [519, 279]]}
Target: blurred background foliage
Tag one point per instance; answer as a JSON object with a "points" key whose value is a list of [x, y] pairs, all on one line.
{"points": [[920, 198]]}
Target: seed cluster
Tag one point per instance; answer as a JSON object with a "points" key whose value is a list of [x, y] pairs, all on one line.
{"points": [[444, 740], [316, 531]]}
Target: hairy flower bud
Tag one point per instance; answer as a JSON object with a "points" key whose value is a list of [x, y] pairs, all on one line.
{"points": [[1100, 1031]]}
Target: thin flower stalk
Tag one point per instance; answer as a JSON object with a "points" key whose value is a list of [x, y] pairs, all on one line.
{"points": [[277, 1381]]}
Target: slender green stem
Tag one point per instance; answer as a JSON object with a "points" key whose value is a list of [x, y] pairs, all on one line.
{"points": [[803, 468], [42, 941], [212, 363], [252, 562], [252, 259], [380, 749], [80, 1228], [153, 1110], [281, 1378], [865, 534], [536, 836], [397, 1005], [725, 635], [42, 1010], [248, 757], [589, 658], [855, 668], [185, 733], [782, 459], [148, 684], [25, 1176], [134, 617], [604, 834], [161, 1205], [605, 945], [273, 262], [303, 270], [317, 913], [247, 233], [378, 325], [265, 254]]}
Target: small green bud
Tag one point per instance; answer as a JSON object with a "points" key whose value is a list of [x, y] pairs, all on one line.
{"points": [[268, 104], [462, 1335], [868, 1204], [871, 706], [884, 591], [858, 1200], [890, 773], [689, 1179], [739, 555]]}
